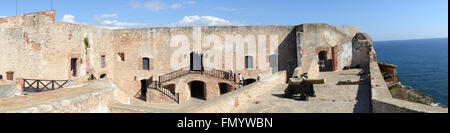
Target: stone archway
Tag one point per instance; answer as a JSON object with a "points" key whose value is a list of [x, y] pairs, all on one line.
{"points": [[198, 89], [249, 81], [225, 88]]}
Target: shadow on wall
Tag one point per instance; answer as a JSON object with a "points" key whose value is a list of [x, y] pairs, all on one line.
{"points": [[364, 95], [287, 55]]}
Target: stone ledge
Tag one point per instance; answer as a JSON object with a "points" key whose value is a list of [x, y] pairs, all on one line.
{"points": [[89, 98], [383, 102]]}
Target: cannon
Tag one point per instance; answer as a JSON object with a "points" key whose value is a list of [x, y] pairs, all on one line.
{"points": [[302, 88]]}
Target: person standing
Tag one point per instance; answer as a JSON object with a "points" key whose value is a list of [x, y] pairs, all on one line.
{"points": [[241, 80], [231, 73], [322, 65]]}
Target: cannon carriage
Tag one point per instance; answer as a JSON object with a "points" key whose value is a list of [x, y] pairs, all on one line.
{"points": [[302, 88]]}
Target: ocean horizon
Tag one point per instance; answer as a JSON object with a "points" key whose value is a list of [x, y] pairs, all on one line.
{"points": [[422, 64]]}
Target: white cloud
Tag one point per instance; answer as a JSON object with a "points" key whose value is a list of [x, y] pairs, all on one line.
{"points": [[204, 21], [68, 18], [106, 16], [115, 23], [148, 5], [154, 5], [158, 5], [176, 5], [110, 21]]}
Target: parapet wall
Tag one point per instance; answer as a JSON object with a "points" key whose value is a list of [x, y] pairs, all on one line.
{"points": [[383, 102], [93, 97], [8, 89]]}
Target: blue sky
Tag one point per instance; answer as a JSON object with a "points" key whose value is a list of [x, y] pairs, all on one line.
{"points": [[382, 19]]}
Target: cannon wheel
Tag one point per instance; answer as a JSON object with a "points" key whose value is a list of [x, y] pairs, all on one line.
{"points": [[304, 97], [287, 94]]}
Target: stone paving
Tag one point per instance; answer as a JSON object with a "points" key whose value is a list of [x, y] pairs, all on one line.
{"points": [[162, 106], [331, 98]]}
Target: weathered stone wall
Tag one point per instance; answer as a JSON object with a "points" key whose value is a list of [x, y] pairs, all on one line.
{"points": [[93, 97], [361, 49], [231, 101], [8, 89], [37, 47], [224, 48], [314, 38]]}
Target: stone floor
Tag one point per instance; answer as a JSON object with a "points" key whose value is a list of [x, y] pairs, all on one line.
{"points": [[331, 98], [162, 106]]}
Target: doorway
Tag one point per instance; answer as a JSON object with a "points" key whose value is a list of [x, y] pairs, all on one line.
{"points": [[323, 59], [73, 66], [198, 89], [225, 88], [144, 86], [196, 62], [249, 81]]}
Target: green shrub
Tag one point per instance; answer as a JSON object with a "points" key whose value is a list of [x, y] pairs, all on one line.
{"points": [[86, 43]]}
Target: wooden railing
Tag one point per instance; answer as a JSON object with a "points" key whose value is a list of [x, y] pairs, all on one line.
{"points": [[37, 85]]}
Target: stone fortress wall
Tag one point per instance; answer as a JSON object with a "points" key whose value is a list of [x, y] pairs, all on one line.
{"points": [[35, 46]]}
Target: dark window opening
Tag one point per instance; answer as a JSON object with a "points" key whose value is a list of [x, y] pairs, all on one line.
{"points": [[248, 62], [103, 61], [146, 63], [73, 66], [198, 90], [121, 56], [225, 88], [102, 76]]}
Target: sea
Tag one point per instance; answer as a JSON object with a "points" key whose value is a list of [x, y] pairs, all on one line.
{"points": [[422, 64]]}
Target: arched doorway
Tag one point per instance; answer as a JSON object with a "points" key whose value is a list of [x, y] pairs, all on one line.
{"points": [[225, 88], [198, 89], [323, 59], [249, 81]]}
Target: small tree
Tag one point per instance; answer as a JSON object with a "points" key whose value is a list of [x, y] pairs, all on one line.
{"points": [[86, 42]]}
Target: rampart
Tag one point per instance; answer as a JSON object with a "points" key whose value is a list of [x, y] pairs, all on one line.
{"points": [[35, 46]]}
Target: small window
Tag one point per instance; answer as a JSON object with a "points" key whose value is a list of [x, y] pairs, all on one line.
{"points": [[146, 63], [102, 76], [121, 56], [103, 61], [10, 75], [248, 62]]}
